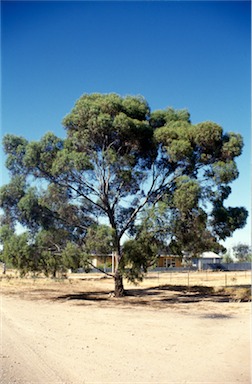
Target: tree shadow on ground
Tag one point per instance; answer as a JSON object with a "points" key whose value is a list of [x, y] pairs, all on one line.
{"points": [[155, 297], [215, 316], [180, 294], [87, 296]]}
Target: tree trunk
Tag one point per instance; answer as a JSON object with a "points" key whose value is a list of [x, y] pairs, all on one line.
{"points": [[119, 289]]}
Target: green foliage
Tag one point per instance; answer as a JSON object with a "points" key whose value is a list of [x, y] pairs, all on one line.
{"points": [[232, 145], [99, 240], [10, 195], [31, 213], [6, 232], [187, 194], [208, 136], [73, 257], [98, 122], [161, 118], [18, 253], [15, 146], [224, 172], [226, 220], [138, 256], [191, 234]]}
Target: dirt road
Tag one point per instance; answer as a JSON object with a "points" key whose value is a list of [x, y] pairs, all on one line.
{"points": [[74, 342]]}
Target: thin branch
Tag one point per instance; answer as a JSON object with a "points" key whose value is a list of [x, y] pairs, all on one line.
{"points": [[117, 195], [57, 182], [80, 181], [106, 273], [138, 209], [161, 190]]}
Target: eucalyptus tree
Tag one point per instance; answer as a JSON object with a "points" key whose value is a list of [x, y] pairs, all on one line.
{"points": [[243, 252], [119, 159]]}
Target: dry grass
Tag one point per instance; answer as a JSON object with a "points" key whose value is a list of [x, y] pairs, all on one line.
{"points": [[157, 291]]}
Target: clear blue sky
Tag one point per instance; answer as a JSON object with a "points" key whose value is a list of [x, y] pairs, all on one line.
{"points": [[191, 54]]}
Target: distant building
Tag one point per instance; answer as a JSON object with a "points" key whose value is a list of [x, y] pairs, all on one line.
{"points": [[109, 261], [206, 260], [169, 261], [103, 261]]}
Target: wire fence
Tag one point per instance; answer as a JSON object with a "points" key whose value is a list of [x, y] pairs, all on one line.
{"points": [[201, 278]]}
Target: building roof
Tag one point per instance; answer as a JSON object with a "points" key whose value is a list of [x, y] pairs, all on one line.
{"points": [[210, 255]]}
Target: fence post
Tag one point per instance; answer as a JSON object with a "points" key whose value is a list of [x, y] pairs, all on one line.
{"points": [[225, 279]]}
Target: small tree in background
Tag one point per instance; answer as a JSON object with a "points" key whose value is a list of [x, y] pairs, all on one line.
{"points": [[242, 252], [227, 258], [18, 253]]}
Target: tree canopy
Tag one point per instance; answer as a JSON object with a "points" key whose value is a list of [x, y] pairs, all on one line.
{"points": [[118, 164]]}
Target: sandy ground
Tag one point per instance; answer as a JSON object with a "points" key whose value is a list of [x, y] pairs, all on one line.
{"points": [[74, 332]]}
